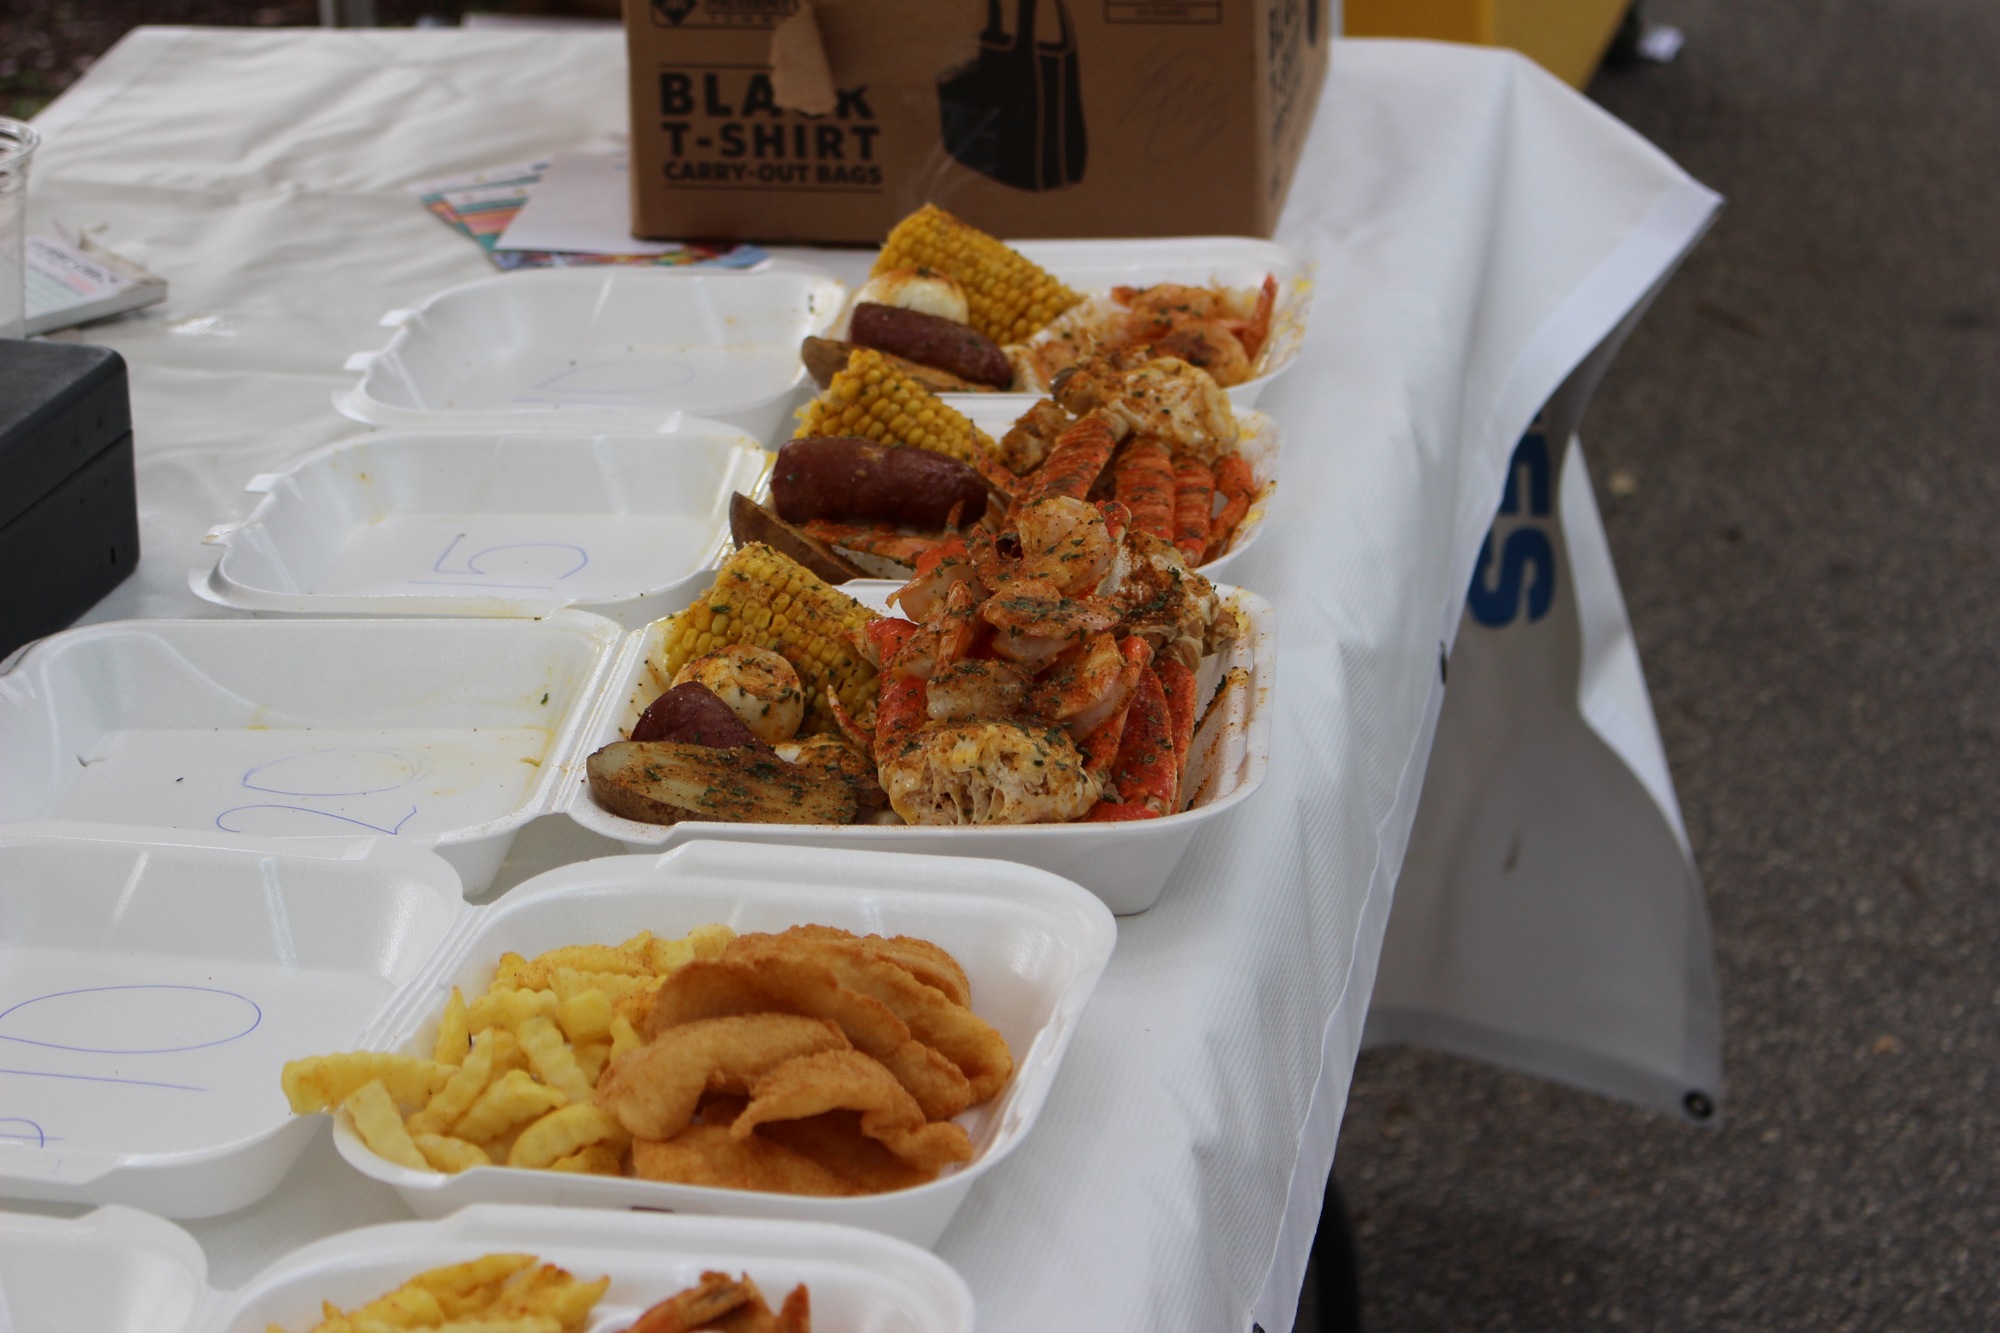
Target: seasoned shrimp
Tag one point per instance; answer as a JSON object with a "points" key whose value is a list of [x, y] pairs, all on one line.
{"points": [[1034, 621], [1209, 344], [946, 563], [1065, 541], [947, 634], [1223, 330], [1138, 393], [1158, 310], [976, 688], [1090, 683], [760, 687]]}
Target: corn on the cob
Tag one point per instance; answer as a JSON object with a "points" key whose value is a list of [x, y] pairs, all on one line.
{"points": [[872, 399], [1010, 297], [768, 600]]}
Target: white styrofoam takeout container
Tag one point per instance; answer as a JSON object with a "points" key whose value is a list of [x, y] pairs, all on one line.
{"points": [[1126, 864], [1259, 441], [153, 984], [1094, 267], [487, 523], [452, 734], [449, 734], [118, 1270], [600, 343], [1032, 945]]}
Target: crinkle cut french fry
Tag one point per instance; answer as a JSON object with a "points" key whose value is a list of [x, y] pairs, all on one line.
{"points": [[551, 1059], [505, 1323], [506, 1104], [406, 1307], [546, 1292], [610, 958], [506, 973], [468, 1287], [450, 1155], [585, 1016], [455, 1098], [322, 1082], [562, 1132], [453, 1035], [570, 1301], [510, 1008], [507, 1054], [668, 956], [569, 982], [380, 1126], [591, 1057], [665, 956], [709, 941]]}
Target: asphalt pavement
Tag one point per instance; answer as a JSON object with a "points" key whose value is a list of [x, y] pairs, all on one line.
{"points": [[1798, 460]]}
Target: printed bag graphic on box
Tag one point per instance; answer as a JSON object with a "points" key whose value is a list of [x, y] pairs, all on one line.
{"points": [[723, 13], [1015, 114]]}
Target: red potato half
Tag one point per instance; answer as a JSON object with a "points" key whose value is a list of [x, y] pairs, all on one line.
{"points": [[664, 782], [691, 712]]}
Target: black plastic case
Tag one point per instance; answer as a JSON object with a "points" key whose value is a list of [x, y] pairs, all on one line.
{"points": [[69, 515]]}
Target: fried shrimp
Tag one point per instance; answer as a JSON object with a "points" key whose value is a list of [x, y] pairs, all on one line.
{"points": [[654, 1089], [849, 1081], [806, 986]]}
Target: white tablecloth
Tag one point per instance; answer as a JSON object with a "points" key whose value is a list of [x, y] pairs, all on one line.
{"points": [[1478, 230]]}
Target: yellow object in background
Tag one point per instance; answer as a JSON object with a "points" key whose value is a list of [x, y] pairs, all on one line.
{"points": [[1566, 37]]}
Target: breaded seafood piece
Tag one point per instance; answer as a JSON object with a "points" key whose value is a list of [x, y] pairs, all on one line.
{"points": [[849, 1081], [709, 1155], [836, 1142], [961, 1036], [654, 1089], [927, 962], [807, 986], [726, 1305], [716, 1295]]}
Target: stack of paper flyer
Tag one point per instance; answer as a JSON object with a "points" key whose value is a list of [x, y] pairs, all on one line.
{"points": [[73, 284]]}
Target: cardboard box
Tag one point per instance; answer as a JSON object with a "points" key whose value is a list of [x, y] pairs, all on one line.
{"points": [[1025, 117]]}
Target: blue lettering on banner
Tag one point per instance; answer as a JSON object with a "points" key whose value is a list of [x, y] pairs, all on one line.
{"points": [[1527, 557]]}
